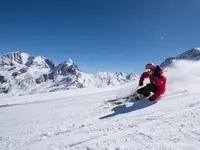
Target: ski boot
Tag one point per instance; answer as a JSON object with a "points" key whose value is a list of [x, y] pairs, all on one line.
{"points": [[140, 97]]}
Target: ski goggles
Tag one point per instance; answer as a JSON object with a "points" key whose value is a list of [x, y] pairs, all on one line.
{"points": [[149, 70]]}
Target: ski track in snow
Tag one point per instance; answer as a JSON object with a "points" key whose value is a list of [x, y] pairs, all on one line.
{"points": [[82, 123]]}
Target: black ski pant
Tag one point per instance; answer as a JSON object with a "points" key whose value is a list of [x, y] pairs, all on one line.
{"points": [[146, 91]]}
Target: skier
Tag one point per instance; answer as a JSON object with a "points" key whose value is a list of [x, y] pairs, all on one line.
{"points": [[157, 83]]}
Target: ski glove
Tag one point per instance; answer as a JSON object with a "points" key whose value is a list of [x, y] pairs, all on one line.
{"points": [[152, 98], [140, 83]]}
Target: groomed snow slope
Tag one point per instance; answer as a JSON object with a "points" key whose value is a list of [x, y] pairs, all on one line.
{"points": [[77, 120]]}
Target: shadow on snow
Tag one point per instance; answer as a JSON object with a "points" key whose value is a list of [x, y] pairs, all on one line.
{"points": [[123, 109]]}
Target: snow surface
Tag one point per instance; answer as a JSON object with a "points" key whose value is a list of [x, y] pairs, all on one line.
{"points": [[75, 119], [69, 62], [25, 57]]}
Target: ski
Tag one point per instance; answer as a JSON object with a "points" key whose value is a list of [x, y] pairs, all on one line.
{"points": [[134, 98], [132, 94], [119, 101]]}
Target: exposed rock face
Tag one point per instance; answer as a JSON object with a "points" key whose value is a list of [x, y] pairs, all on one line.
{"points": [[193, 54], [2, 79]]}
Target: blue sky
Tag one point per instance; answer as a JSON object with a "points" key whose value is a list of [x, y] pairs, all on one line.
{"points": [[106, 35]]}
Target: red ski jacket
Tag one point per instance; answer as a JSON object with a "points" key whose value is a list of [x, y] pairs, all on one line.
{"points": [[157, 78]]}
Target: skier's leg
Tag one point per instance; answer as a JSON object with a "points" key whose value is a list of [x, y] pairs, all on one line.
{"points": [[140, 91], [154, 88], [146, 91], [149, 88]]}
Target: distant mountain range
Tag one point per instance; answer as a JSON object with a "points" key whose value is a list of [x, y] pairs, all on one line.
{"points": [[22, 74]]}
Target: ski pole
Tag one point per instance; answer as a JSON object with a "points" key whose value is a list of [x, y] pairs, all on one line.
{"points": [[134, 90]]}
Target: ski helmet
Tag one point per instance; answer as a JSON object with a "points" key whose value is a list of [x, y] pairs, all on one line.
{"points": [[149, 67]]}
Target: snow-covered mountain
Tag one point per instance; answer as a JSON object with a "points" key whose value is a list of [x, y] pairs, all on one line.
{"points": [[21, 73], [21, 59], [193, 54]]}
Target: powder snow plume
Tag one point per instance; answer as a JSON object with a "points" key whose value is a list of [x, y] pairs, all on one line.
{"points": [[184, 74]]}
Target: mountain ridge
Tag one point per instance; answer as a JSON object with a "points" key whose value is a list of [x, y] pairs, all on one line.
{"points": [[191, 54], [22, 74]]}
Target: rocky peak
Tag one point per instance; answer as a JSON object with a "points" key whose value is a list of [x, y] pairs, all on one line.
{"points": [[64, 68], [68, 63], [67, 67], [40, 63], [14, 58], [192, 54], [120, 74], [132, 76], [21, 58]]}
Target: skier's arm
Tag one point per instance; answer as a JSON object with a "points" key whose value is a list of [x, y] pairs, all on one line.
{"points": [[143, 76]]}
